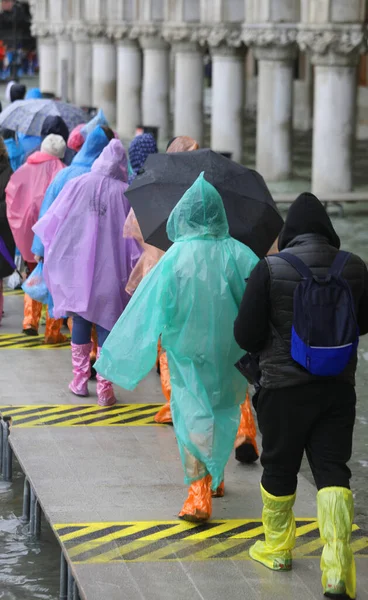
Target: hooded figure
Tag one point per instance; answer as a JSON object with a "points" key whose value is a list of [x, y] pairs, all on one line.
{"points": [[76, 139], [6, 235], [139, 150], [87, 260], [298, 411], [34, 94], [81, 164], [17, 92], [26, 190], [58, 126], [24, 195], [14, 148], [191, 297]]}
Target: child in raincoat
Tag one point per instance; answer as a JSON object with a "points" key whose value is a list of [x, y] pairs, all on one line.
{"points": [[24, 195], [191, 297], [87, 260]]}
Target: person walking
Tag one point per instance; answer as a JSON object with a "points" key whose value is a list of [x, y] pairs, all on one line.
{"points": [[82, 163], [88, 261], [191, 298], [24, 195], [139, 150], [307, 399], [6, 236]]}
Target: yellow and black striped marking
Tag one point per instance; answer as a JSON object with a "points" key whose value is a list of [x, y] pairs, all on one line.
{"points": [[160, 541], [8, 292], [14, 341], [70, 415]]}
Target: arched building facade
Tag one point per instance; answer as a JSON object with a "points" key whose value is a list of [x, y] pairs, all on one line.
{"points": [[295, 60]]}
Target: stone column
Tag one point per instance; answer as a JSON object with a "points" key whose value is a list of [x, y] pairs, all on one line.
{"points": [[83, 69], [189, 89], [227, 100], [48, 60], [129, 87], [104, 77], [275, 111], [66, 52], [275, 49], [335, 55], [335, 97], [156, 84]]}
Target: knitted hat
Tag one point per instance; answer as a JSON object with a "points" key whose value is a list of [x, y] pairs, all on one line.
{"points": [[54, 144]]}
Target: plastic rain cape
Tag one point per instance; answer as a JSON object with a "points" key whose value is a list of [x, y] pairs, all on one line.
{"points": [[87, 260], [191, 297]]}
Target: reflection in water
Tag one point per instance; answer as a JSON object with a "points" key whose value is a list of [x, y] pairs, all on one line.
{"points": [[30, 570]]}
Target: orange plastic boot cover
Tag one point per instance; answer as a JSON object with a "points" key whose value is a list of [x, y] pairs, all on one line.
{"points": [[198, 506], [220, 492], [247, 431], [164, 414], [53, 333], [32, 313], [94, 341]]}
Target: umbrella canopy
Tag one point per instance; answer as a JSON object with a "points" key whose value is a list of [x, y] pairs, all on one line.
{"points": [[28, 116], [250, 209]]}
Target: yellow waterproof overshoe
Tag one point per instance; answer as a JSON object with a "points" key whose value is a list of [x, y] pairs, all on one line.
{"points": [[279, 527]]}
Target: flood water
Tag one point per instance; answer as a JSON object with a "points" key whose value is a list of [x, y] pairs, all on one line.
{"points": [[30, 570]]}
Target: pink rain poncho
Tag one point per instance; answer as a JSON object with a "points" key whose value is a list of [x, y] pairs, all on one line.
{"points": [[87, 260], [24, 195]]}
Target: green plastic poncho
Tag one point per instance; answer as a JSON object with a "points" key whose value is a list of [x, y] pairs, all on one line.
{"points": [[192, 298]]}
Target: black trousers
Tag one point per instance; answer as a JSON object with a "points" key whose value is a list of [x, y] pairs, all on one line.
{"points": [[317, 418]]}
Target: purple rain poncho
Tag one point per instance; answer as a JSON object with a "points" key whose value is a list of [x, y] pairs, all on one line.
{"points": [[87, 260]]}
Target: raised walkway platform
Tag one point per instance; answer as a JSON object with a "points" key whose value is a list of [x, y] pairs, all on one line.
{"points": [[110, 483]]}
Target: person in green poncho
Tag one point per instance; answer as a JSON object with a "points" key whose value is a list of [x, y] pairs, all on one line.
{"points": [[191, 297]]}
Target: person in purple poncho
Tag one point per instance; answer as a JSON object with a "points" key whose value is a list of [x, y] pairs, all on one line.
{"points": [[87, 260]]}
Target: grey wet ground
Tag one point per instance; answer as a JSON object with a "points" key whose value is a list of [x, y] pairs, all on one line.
{"points": [[119, 474]]}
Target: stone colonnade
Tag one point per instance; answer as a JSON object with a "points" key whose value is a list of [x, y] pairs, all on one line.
{"points": [[125, 69]]}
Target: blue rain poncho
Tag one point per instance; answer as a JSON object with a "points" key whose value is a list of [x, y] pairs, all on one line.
{"points": [[81, 164], [192, 298]]}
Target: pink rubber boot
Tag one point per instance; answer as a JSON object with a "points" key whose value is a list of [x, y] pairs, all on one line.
{"points": [[105, 391], [81, 369]]}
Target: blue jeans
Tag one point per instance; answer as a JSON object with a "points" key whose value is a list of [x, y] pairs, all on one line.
{"points": [[82, 330]]}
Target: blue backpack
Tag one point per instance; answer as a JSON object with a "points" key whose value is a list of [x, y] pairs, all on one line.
{"points": [[325, 332]]}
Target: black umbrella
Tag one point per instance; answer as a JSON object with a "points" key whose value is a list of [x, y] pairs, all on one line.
{"points": [[251, 212]]}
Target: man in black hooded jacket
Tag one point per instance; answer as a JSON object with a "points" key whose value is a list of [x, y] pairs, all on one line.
{"points": [[300, 412]]}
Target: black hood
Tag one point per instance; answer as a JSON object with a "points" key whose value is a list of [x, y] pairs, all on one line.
{"points": [[17, 92], [307, 215], [55, 125]]}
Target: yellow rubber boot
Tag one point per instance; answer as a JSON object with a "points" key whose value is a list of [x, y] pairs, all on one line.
{"points": [[335, 520], [279, 527]]}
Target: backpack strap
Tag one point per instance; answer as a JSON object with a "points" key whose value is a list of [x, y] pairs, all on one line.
{"points": [[297, 263], [339, 263]]}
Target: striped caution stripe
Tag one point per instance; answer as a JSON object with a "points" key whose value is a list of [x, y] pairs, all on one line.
{"points": [[14, 341], [70, 415], [158, 541], [8, 292]]}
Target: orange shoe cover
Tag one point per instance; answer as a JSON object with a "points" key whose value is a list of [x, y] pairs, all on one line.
{"points": [[163, 416], [53, 333], [198, 506], [220, 492], [32, 313], [94, 341], [247, 431]]}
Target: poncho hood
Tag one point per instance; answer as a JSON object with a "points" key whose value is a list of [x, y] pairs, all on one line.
{"points": [[307, 215], [92, 148], [200, 214], [112, 162]]}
